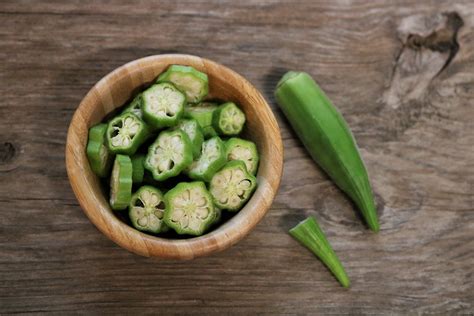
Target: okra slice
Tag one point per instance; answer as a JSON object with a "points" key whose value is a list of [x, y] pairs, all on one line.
{"points": [[135, 106], [203, 113], [228, 119], [170, 154], [193, 83], [138, 168], [100, 159], [232, 186], [121, 183], [245, 150], [211, 160], [193, 130], [162, 105], [125, 133], [189, 208], [147, 209]]}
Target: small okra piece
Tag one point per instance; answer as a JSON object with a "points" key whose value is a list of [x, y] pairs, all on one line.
{"points": [[211, 160], [228, 119], [146, 210], [121, 183], [245, 150], [138, 168], [192, 128], [125, 133], [203, 113], [189, 208], [232, 186], [170, 154], [193, 83], [310, 235], [135, 106], [162, 105], [100, 159]]}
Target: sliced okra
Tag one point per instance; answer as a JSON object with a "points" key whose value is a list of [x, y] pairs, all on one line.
{"points": [[138, 167], [228, 119], [100, 159], [162, 105], [147, 209], [245, 150], [232, 186], [170, 154], [193, 83], [189, 208], [121, 183], [211, 160], [192, 128], [135, 106], [125, 133], [203, 113]]}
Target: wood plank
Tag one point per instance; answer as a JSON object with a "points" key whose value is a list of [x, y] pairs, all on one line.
{"points": [[419, 153]]}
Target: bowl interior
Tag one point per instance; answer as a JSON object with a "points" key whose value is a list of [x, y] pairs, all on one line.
{"points": [[112, 92]]}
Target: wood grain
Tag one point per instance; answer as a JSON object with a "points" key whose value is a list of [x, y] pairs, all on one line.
{"points": [[119, 86], [418, 150]]}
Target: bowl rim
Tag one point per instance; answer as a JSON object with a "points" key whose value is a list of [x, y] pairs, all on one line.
{"points": [[91, 199]]}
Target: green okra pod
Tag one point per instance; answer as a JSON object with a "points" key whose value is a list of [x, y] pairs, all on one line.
{"points": [[245, 150], [190, 81], [147, 209], [211, 160], [327, 137], [162, 105], [125, 133], [189, 208], [138, 168], [228, 119], [99, 156], [135, 106], [121, 183], [194, 131], [203, 113]]}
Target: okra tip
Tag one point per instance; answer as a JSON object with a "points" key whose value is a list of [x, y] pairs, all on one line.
{"points": [[289, 75]]}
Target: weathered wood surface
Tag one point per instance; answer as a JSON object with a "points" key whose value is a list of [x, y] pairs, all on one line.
{"points": [[394, 69]]}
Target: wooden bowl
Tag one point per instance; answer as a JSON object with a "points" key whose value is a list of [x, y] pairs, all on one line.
{"points": [[113, 91]]}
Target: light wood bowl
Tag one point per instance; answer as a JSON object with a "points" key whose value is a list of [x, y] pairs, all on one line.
{"points": [[112, 92]]}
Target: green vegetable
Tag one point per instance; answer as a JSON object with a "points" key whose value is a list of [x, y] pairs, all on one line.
{"points": [[170, 154], [121, 183], [189, 208], [193, 130], [147, 209], [218, 216], [203, 113], [211, 160], [193, 83], [228, 119], [162, 105], [125, 133], [232, 186], [135, 106], [310, 235], [245, 150], [138, 168], [100, 159], [327, 138]]}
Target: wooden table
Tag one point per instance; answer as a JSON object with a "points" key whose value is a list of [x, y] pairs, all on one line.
{"points": [[396, 72]]}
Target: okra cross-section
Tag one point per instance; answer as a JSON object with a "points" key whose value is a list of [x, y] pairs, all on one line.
{"points": [[170, 154], [135, 106], [211, 160], [100, 159], [125, 133], [203, 113], [189, 208], [245, 150], [193, 83], [191, 128], [121, 183], [228, 119], [232, 186], [147, 209], [162, 105]]}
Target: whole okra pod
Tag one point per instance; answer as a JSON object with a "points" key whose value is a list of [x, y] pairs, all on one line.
{"points": [[327, 137]]}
